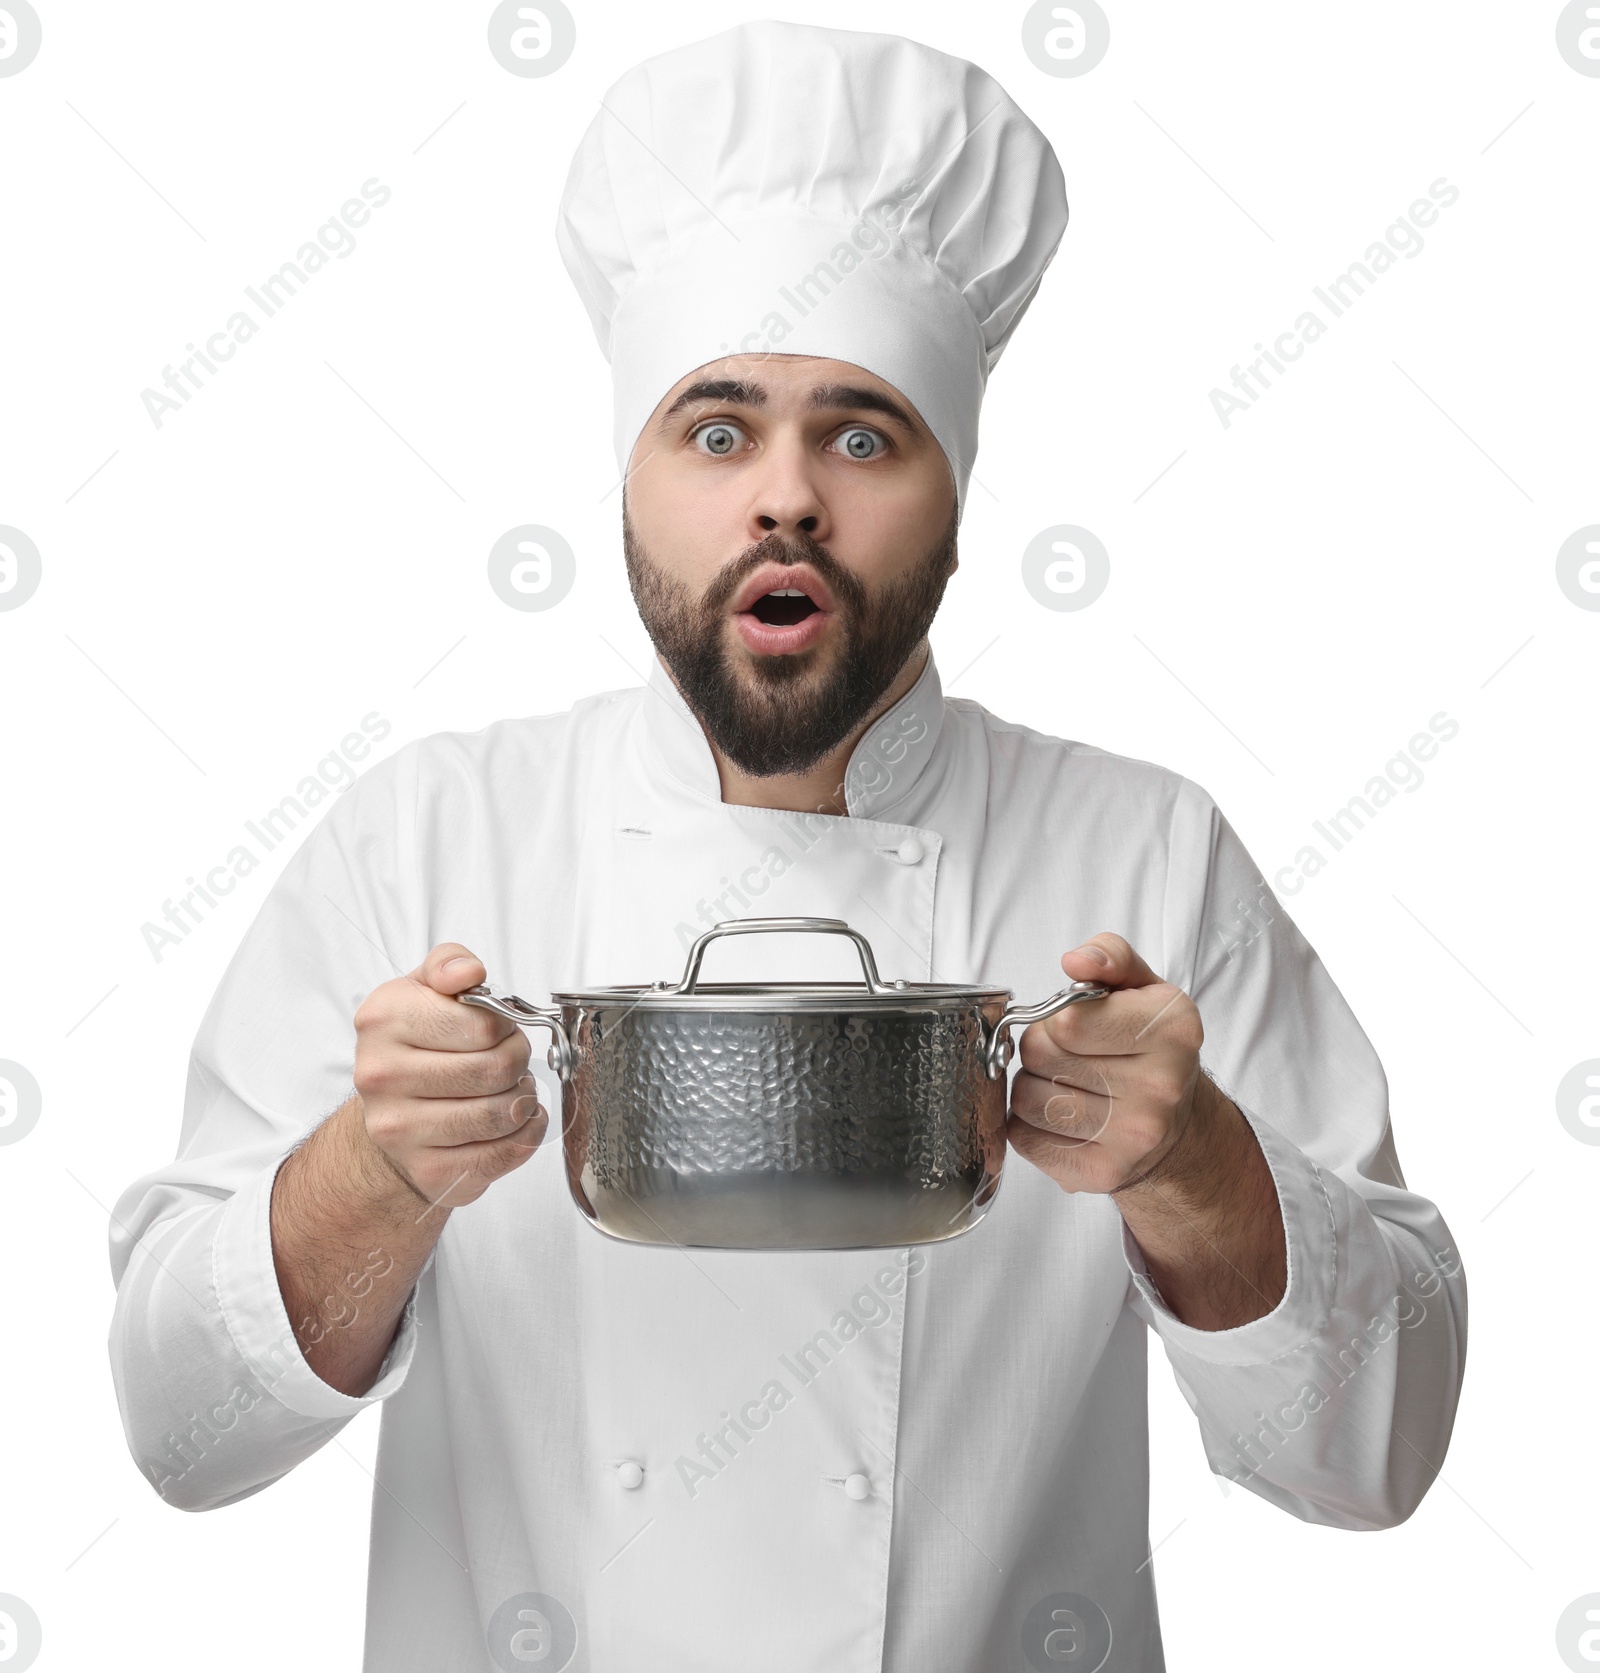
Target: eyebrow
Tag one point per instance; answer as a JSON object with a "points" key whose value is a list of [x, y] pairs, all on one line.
{"points": [[825, 397]]}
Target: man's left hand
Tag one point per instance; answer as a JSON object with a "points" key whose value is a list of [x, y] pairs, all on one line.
{"points": [[1111, 1098], [1109, 1088]]}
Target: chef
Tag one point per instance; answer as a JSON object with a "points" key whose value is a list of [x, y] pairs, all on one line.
{"points": [[803, 251]]}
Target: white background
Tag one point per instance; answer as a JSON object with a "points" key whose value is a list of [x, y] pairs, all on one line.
{"points": [[223, 598]]}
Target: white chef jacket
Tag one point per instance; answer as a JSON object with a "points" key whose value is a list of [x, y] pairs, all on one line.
{"points": [[939, 1444]]}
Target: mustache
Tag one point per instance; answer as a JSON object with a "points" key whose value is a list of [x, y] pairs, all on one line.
{"points": [[778, 548]]}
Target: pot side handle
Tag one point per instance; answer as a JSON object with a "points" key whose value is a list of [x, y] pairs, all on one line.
{"points": [[525, 1015], [998, 1056]]}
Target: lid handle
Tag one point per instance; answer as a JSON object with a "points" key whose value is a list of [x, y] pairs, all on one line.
{"points": [[761, 926]]}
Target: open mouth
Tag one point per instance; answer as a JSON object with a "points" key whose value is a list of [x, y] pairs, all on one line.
{"points": [[783, 608], [773, 616]]}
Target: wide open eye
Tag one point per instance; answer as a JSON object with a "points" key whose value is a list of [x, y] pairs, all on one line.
{"points": [[858, 442], [718, 438]]}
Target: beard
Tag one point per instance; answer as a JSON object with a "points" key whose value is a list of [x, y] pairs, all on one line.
{"points": [[784, 714]]}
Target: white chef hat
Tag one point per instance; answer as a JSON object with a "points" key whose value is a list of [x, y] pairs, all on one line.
{"points": [[786, 188]]}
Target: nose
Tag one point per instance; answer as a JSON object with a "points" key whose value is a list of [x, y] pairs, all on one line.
{"points": [[784, 497]]}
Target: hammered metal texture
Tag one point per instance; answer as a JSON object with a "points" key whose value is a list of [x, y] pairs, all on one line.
{"points": [[741, 1129]]}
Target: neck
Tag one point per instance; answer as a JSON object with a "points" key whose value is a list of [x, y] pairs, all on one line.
{"points": [[821, 789]]}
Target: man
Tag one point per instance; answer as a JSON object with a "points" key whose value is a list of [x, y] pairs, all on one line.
{"points": [[803, 250]]}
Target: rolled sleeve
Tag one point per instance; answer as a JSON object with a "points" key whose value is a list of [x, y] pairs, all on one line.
{"points": [[251, 1304], [217, 1398], [1302, 1314], [1339, 1403]]}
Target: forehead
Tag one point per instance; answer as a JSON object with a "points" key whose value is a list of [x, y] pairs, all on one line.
{"points": [[781, 383]]}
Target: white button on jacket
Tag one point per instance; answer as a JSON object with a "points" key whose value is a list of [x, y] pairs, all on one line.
{"points": [[1001, 1373]]}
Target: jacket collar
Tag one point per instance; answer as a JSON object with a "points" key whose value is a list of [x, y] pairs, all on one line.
{"points": [[888, 758]]}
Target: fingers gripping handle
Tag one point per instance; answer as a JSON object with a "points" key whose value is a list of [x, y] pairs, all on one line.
{"points": [[1000, 1048], [525, 1015]]}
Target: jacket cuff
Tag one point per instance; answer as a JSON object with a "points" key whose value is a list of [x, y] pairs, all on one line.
{"points": [[1312, 1248], [246, 1283]]}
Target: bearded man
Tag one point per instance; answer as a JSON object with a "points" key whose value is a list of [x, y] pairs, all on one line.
{"points": [[804, 251]]}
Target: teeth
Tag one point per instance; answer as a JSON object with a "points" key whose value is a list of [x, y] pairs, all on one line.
{"points": [[786, 592]]}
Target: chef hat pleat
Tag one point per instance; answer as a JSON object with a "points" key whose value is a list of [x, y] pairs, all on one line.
{"points": [[791, 189]]}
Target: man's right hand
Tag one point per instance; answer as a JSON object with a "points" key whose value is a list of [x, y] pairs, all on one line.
{"points": [[444, 1087], [444, 1106]]}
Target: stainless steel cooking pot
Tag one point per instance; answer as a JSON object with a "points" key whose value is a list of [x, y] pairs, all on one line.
{"points": [[782, 1115]]}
